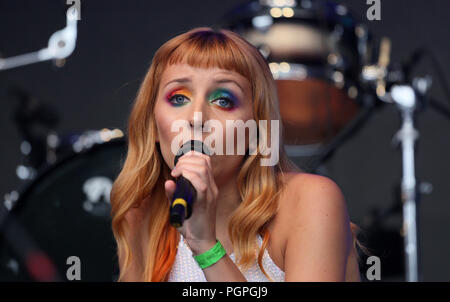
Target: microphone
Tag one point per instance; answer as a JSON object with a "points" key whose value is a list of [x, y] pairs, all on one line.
{"points": [[185, 194]]}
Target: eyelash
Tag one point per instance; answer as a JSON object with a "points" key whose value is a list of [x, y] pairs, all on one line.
{"points": [[221, 98]]}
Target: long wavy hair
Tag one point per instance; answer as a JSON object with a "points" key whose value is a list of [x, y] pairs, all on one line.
{"points": [[145, 171]]}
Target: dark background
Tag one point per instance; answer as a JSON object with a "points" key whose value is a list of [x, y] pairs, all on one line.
{"points": [[116, 42]]}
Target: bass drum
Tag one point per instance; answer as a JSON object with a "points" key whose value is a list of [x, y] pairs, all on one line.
{"points": [[315, 50], [65, 210]]}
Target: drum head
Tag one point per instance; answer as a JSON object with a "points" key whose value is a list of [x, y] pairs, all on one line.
{"points": [[313, 111], [66, 211], [315, 50]]}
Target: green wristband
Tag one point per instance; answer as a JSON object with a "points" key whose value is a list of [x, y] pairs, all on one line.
{"points": [[210, 257]]}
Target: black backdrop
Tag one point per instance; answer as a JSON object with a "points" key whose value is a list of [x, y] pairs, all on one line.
{"points": [[117, 39]]}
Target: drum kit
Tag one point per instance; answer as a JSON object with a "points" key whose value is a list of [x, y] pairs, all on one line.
{"points": [[330, 76]]}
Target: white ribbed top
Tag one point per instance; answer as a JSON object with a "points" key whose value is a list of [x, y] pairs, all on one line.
{"points": [[186, 269]]}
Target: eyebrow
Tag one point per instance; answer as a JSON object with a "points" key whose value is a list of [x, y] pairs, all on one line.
{"points": [[187, 80]]}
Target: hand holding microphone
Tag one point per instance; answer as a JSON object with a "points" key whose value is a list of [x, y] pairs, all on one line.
{"points": [[193, 195]]}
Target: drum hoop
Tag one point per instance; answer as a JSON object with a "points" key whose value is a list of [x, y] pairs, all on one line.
{"points": [[320, 14], [300, 72]]}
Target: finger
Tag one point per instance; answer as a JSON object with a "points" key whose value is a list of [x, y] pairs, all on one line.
{"points": [[198, 170], [193, 157], [197, 182], [211, 189], [207, 160], [204, 174], [190, 160], [194, 153], [194, 167], [170, 187]]}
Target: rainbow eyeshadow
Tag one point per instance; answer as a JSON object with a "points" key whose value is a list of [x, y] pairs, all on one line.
{"points": [[181, 91], [222, 93], [221, 97]]}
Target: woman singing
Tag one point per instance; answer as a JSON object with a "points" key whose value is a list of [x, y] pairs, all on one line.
{"points": [[250, 222]]}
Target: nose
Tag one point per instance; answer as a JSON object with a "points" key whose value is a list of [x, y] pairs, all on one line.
{"points": [[198, 113], [197, 121]]}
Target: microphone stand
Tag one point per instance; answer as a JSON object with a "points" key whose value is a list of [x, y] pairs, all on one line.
{"points": [[408, 99], [405, 99]]}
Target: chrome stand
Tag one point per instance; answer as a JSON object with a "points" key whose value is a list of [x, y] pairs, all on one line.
{"points": [[405, 99]]}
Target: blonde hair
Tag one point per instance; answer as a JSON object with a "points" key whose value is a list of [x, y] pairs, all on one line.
{"points": [[144, 170]]}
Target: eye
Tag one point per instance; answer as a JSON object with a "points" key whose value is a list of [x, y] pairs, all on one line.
{"points": [[177, 99], [224, 102]]}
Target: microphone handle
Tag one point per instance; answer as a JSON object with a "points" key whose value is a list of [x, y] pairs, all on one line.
{"points": [[182, 202]]}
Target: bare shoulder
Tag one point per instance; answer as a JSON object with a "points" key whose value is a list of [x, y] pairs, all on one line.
{"points": [[308, 197], [300, 195], [310, 191], [312, 217], [302, 181]]}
